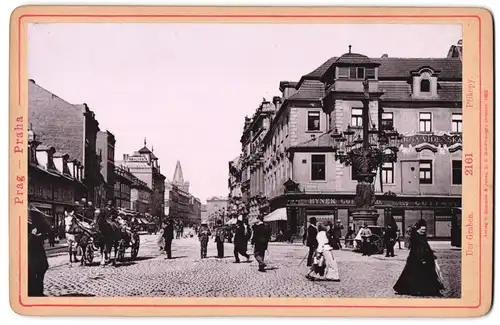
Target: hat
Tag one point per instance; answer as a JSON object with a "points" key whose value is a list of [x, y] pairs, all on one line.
{"points": [[312, 220]]}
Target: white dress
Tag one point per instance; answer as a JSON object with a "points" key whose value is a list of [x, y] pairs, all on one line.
{"points": [[331, 270]]}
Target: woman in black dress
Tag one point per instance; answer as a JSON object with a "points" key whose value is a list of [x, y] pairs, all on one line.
{"points": [[420, 276]]}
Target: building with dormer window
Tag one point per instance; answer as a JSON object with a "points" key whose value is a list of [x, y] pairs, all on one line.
{"points": [[420, 97], [54, 179]]}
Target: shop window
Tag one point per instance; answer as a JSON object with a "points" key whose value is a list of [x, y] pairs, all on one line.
{"points": [[318, 167], [425, 168], [456, 166]]}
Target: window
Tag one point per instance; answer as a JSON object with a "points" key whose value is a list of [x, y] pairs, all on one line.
{"points": [[318, 166], [370, 73], [456, 122], [388, 173], [313, 121], [425, 168], [456, 167], [343, 73], [425, 122], [425, 86], [357, 117], [387, 121], [361, 73]]}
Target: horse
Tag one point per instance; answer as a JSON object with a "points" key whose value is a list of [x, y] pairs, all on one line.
{"points": [[110, 235], [77, 236]]}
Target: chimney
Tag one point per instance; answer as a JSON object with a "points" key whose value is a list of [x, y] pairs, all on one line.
{"points": [[385, 56]]}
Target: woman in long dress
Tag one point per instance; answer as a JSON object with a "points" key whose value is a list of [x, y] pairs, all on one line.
{"points": [[421, 275], [324, 266]]}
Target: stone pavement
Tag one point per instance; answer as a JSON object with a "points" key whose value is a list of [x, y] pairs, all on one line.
{"points": [[186, 275]]}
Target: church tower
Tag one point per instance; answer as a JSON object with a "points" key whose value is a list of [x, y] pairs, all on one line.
{"points": [[178, 179]]}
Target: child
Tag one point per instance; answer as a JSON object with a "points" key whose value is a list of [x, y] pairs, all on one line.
{"points": [[204, 235]]}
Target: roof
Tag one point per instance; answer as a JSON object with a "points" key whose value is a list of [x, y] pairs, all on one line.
{"points": [[451, 68], [309, 90], [401, 90], [144, 150], [178, 175], [353, 58]]}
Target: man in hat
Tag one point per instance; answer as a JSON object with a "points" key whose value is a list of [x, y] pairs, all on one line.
{"points": [[38, 264], [309, 239], [204, 235], [260, 241], [240, 241], [168, 234], [219, 238]]}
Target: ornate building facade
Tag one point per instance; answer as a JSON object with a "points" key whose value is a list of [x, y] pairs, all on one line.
{"points": [[420, 97], [144, 165]]}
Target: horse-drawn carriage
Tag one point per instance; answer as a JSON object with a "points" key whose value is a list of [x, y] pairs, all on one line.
{"points": [[84, 237], [376, 240]]}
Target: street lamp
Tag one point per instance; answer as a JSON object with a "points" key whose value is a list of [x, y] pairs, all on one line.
{"points": [[366, 151]]}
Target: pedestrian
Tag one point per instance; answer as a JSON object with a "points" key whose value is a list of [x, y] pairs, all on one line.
{"points": [[52, 236], [398, 237], [409, 232], [309, 239], [168, 234], [421, 275], [240, 241], [38, 264], [203, 235], [351, 231], [366, 234], [219, 238], [389, 240], [337, 228], [324, 266], [161, 239], [260, 241]]}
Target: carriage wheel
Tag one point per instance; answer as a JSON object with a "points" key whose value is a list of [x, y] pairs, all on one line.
{"points": [[89, 252], [79, 253], [121, 251], [378, 244]]}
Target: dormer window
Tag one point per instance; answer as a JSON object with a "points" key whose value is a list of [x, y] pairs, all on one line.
{"points": [[356, 73], [425, 86]]}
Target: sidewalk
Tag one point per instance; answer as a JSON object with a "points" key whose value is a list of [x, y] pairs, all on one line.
{"points": [[57, 246]]}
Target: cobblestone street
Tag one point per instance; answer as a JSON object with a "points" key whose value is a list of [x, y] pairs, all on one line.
{"points": [[186, 275]]}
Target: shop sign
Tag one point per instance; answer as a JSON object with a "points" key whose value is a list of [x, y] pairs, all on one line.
{"points": [[435, 140], [432, 203], [42, 205]]}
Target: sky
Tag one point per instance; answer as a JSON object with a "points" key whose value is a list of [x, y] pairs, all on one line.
{"points": [[186, 88]]}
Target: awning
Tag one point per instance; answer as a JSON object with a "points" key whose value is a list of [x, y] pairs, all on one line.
{"points": [[276, 215]]}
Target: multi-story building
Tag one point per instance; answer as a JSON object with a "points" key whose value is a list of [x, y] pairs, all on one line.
{"points": [[105, 146], [419, 97], [253, 155], [140, 196], [144, 165], [204, 213], [71, 129], [122, 187], [54, 179], [217, 209]]}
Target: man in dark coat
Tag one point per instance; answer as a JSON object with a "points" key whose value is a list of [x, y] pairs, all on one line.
{"points": [[337, 230], [240, 241], [219, 238], [37, 258], [168, 234], [260, 240], [390, 235], [309, 239]]}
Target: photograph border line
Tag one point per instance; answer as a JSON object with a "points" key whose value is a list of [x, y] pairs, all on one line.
{"points": [[259, 16]]}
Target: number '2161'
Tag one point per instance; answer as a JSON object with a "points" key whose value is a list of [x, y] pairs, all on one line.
{"points": [[468, 166]]}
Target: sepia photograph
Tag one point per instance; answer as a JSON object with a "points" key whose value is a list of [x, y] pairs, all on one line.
{"points": [[245, 160]]}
